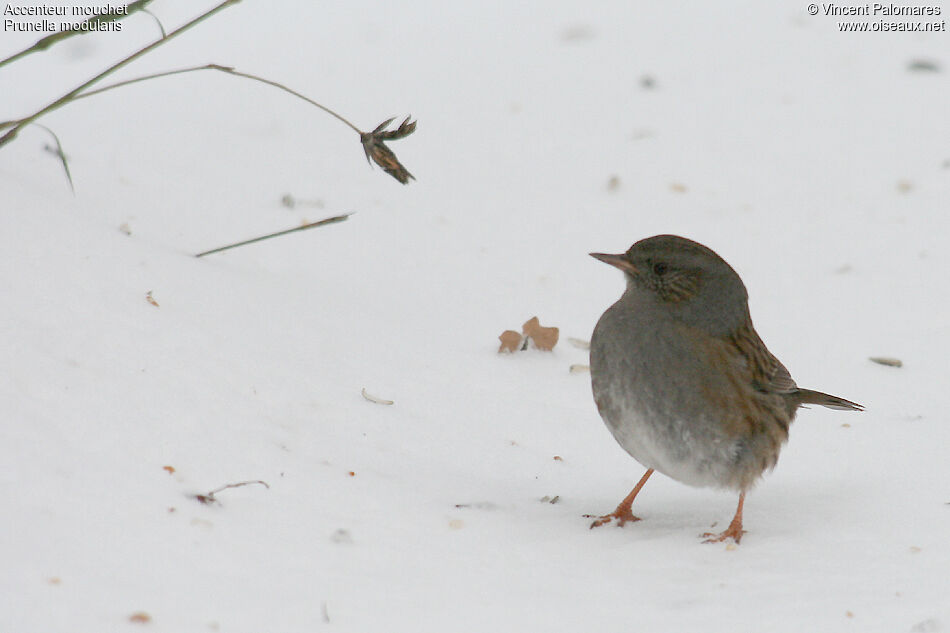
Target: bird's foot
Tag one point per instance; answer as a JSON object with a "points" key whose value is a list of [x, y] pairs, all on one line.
{"points": [[622, 516], [734, 531], [623, 513]]}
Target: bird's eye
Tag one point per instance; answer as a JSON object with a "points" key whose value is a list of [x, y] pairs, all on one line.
{"points": [[659, 269]]}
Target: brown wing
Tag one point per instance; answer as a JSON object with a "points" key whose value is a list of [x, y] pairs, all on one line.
{"points": [[768, 374], [754, 391]]}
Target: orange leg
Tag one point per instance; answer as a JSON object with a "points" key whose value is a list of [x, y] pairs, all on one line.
{"points": [[623, 513], [734, 531]]}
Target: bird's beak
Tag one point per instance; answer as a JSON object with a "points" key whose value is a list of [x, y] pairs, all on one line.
{"points": [[618, 261]]}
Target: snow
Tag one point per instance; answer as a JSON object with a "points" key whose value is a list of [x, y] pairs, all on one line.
{"points": [[814, 161]]}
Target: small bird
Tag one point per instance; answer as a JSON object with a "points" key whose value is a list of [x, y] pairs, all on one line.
{"points": [[682, 379]]}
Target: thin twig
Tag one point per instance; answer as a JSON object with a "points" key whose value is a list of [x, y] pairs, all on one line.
{"points": [[61, 155], [333, 220], [225, 69], [161, 27], [71, 95], [43, 43], [237, 485], [210, 497]]}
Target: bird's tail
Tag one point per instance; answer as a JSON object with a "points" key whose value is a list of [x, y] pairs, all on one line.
{"points": [[827, 400]]}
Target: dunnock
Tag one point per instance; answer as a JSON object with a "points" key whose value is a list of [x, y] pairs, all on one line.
{"points": [[683, 381]]}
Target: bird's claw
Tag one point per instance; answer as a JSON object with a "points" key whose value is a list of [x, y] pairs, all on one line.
{"points": [[734, 532], [620, 516]]}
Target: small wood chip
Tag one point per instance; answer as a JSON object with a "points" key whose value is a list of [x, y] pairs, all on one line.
{"points": [[375, 399], [884, 360], [580, 369], [140, 617]]}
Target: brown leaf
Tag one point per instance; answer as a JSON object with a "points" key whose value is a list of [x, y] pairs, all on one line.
{"points": [[169, 469], [375, 148], [510, 341], [544, 338]]}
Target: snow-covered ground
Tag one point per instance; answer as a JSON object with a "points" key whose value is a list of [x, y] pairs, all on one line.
{"points": [[815, 162]]}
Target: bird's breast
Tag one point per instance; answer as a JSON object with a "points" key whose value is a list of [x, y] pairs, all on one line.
{"points": [[651, 381]]}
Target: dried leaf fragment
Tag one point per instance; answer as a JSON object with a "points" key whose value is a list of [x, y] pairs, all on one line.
{"points": [[140, 617], [884, 360], [151, 299], [341, 536], [169, 469], [544, 338], [375, 399], [579, 343], [375, 148], [289, 201], [923, 65], [510, 341]]}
